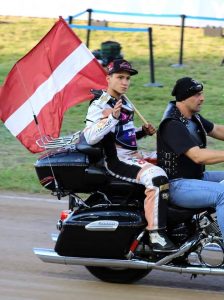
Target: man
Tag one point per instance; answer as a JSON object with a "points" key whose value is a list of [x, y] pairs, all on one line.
{"points": [[182, 152], [110, 120]]}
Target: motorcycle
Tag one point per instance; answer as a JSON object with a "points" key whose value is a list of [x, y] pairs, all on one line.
{"points": [[105, 232]]}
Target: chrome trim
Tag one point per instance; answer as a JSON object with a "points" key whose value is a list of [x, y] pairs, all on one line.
{"points": [[212, 254], [193, 270], [102, 225], [48, 142], [187, 246], [50, 256]]}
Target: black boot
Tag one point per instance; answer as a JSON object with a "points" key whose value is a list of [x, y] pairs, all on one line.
{"points": [[160, 242]]}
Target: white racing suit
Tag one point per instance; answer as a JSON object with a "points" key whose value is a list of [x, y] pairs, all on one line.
{"points": [[121, 156]]}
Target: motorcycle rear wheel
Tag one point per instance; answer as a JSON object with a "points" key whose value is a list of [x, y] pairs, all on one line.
{"points": [[118, 275]]}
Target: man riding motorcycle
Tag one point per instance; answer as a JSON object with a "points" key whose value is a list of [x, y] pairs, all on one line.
{"points": [[106, 232], [182, 151]]}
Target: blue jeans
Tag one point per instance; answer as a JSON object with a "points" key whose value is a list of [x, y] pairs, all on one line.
{"points": [[194, 193]]}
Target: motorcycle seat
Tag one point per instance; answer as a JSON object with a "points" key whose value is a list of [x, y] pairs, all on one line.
{"points": [[176, 208], [119, 188], [94, 152], [177, 214]]}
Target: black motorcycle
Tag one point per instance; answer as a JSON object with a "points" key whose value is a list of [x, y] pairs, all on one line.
{"points": [[104, 227]]}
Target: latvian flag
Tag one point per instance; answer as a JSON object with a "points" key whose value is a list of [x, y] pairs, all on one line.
{"points": [[55, 75]]}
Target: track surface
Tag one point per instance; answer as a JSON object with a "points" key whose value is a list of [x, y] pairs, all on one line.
{"points": [[26, 222]]}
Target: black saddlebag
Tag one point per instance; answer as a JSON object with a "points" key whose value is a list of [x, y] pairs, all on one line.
{"points": [[72, 171], [100, 232]]}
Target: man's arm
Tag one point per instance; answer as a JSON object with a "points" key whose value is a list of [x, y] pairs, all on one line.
{"points": [[205, 156], [178, 138], [217, 132]]}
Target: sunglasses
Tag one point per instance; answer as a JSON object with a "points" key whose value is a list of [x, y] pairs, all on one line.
{"points": [[196, 88]]}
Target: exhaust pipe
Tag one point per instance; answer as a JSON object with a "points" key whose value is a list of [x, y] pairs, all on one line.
{"points": [[50, 256]]}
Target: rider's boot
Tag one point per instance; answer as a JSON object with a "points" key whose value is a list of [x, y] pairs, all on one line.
{"points": [[160, 242]]}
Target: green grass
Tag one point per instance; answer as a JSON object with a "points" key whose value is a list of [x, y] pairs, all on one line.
{"points": [[202, 59]]}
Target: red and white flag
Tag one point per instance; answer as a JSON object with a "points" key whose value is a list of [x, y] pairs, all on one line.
{"points": [[55, 75]]}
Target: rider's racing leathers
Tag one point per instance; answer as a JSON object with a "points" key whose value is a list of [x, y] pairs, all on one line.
{"points": [[100, 124]]}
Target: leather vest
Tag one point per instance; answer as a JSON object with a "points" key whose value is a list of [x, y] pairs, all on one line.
{"points": [[180, 166]]}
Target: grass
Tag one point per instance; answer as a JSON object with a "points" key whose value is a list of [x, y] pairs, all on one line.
{"points": [[202, 59]]}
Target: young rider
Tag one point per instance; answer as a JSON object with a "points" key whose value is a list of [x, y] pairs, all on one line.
{"points": [[110, 120]]}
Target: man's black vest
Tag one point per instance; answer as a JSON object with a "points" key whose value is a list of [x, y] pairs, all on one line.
{"points": [[180, 166]]}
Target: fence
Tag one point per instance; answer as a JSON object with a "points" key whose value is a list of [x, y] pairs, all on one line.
{"points": [[182, 17]]}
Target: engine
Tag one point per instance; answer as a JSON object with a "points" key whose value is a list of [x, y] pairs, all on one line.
{"points": [[210, 251]]}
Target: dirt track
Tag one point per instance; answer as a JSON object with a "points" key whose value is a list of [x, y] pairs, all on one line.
{"points": [[27, 221]]}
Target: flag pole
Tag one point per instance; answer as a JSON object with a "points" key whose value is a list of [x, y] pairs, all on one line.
{"points": [[38, 127], [137, 111]]}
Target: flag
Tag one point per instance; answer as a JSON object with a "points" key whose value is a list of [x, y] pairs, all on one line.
{"points": [[57, 73]]}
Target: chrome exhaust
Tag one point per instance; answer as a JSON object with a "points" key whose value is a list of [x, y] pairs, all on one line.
{"points": [[50, 256], [192, 270]]}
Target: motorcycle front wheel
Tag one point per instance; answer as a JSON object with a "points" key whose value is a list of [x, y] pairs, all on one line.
{"points": [[118, 275]]}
